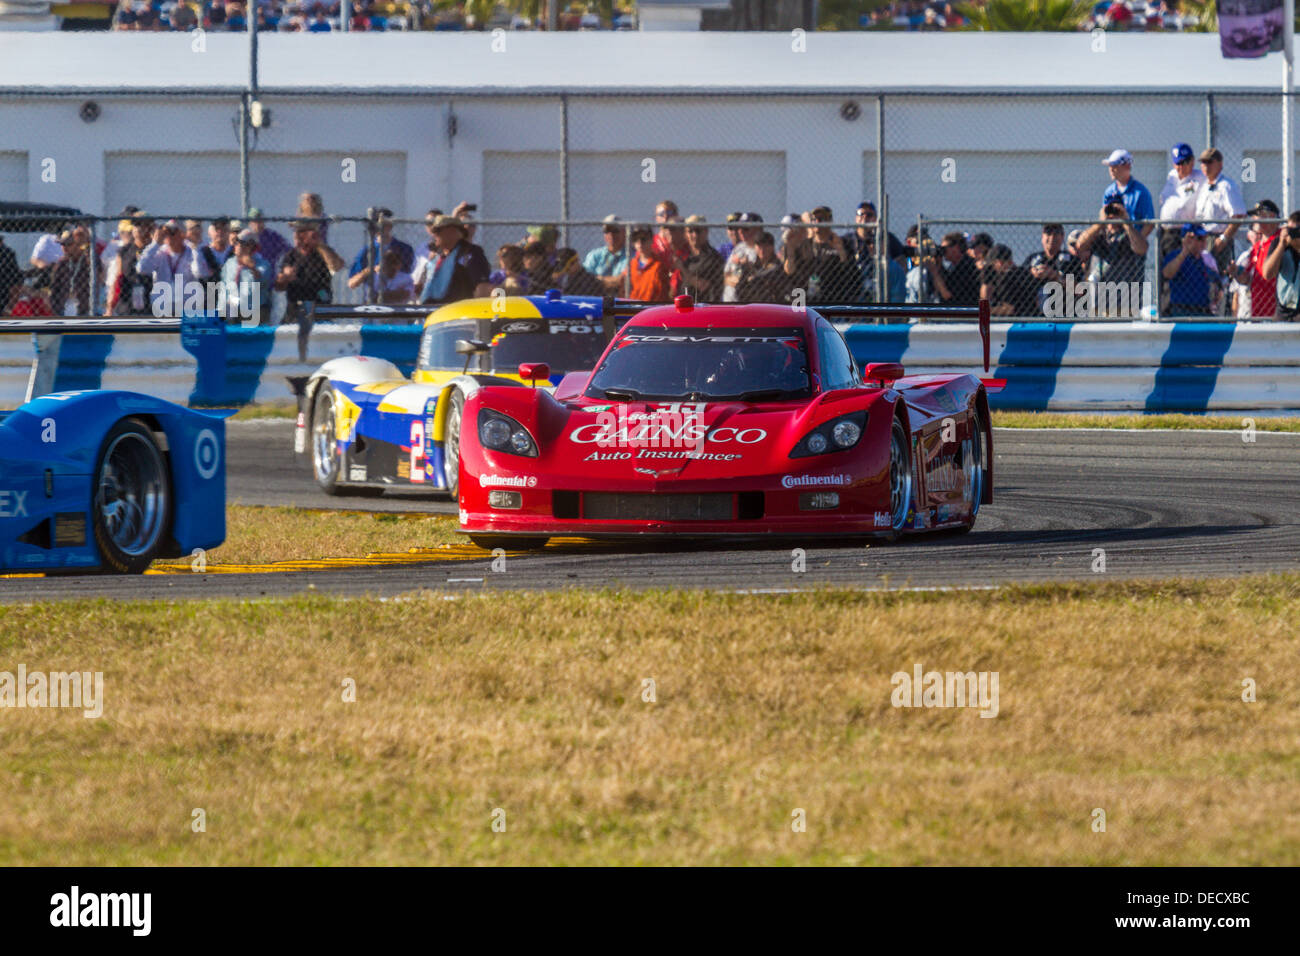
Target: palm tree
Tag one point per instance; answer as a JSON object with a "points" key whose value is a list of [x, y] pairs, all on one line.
{"points": [[1021, 16]]}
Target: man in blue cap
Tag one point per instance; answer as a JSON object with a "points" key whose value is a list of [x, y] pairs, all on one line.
{"points": [[1178, 198], [1194, 279], [1124, 188]]}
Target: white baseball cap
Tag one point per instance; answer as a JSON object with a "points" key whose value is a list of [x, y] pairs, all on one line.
{"points": [[1120, 157]]}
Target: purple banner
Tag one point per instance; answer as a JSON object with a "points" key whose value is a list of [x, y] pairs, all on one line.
{"points": [[1250, 28]]}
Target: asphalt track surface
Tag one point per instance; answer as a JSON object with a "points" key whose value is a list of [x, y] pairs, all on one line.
{"points": [[1158, 503]]}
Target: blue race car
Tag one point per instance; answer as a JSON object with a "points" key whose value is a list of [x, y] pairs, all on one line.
{"points": [[108, 480]]}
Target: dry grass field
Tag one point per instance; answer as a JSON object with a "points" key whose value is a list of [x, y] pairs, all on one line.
{"points": [[1124, 697], [256, 535]]}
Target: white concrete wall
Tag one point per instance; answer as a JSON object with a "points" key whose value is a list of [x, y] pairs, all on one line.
{"points": [[1025, 156]]}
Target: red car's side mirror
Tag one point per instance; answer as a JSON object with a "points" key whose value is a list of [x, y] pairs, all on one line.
{"points": [[878, 373], [534, 371]]}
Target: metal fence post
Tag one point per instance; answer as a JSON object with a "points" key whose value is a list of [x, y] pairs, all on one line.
{"points": [[1154, 248], [564, 169], [1209, 121], [924, 277], [93, 298], [244, 203], [882, 212]]}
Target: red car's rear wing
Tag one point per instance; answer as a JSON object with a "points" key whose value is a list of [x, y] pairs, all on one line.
{"points": [[981, 313], [848, 311]]}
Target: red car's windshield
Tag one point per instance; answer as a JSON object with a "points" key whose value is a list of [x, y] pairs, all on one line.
{"points": [[760, 364]]}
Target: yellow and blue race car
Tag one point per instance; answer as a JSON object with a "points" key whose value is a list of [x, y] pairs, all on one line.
{"points": [[366, 427]]}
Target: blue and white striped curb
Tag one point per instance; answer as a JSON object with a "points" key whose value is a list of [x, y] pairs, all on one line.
{"points": [[1107, 366]]}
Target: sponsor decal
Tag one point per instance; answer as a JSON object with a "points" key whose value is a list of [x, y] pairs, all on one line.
{"points": [[207, 453], [882, 519], [571, 328], [643, 337], [946, 513], [346, 413], [517, 327], [672, 431], [507, 481], [403, 469], [356, 472], [814, 481], [648, 454], [464, 516], [596, 408], [655, 473], [13, 504], [922, 520]]}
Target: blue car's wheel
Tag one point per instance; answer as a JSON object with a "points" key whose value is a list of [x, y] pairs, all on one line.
{"points": [[132, 506]]}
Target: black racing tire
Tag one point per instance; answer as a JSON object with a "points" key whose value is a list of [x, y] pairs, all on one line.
{"points": [[974, 469], [131, 504], [451, 442], [326, 465], [900, 479], [508, 542]]}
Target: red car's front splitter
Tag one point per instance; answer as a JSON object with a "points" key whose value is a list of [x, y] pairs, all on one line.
{"points": [[779, 516]]}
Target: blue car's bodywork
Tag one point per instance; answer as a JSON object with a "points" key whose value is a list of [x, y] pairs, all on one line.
{"points": [[49, 449]]}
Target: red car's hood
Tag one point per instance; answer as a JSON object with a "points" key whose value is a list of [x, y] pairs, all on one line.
{"points": [[654, 441]]}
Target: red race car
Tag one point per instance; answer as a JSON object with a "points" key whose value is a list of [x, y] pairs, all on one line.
{"points": [[728, 420]]}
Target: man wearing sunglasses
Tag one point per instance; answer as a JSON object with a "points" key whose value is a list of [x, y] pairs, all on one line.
{"points": [[1218, 198], [1178, 197]]}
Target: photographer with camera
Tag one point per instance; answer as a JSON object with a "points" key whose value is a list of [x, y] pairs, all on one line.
{"points": [[953, 274], [1052, 264], [1120, 245], [1283, 265], [1195, 284]]}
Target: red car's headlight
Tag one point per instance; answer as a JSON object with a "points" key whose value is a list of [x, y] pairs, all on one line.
{"points": [[502, 433], [838, 434]]}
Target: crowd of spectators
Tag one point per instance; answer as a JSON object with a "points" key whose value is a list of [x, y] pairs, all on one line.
{"points": [[312, 16], [1206, 264], [1114, 15]]}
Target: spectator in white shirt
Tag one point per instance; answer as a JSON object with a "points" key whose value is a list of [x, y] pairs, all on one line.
{"points": [[742, 256], [46, 255], [169, 256], [1219, 198], [1178, 198], [218, 248]]}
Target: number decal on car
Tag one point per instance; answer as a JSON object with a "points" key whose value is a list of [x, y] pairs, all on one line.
{"points": [[417, 450]]}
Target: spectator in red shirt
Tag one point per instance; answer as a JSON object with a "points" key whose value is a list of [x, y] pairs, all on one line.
{"points": [[647, 277], [670, 245], [1263, 292], [31, 302]]}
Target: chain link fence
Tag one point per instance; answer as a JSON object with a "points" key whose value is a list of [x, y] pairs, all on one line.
{"points": [[1000, 164]]}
